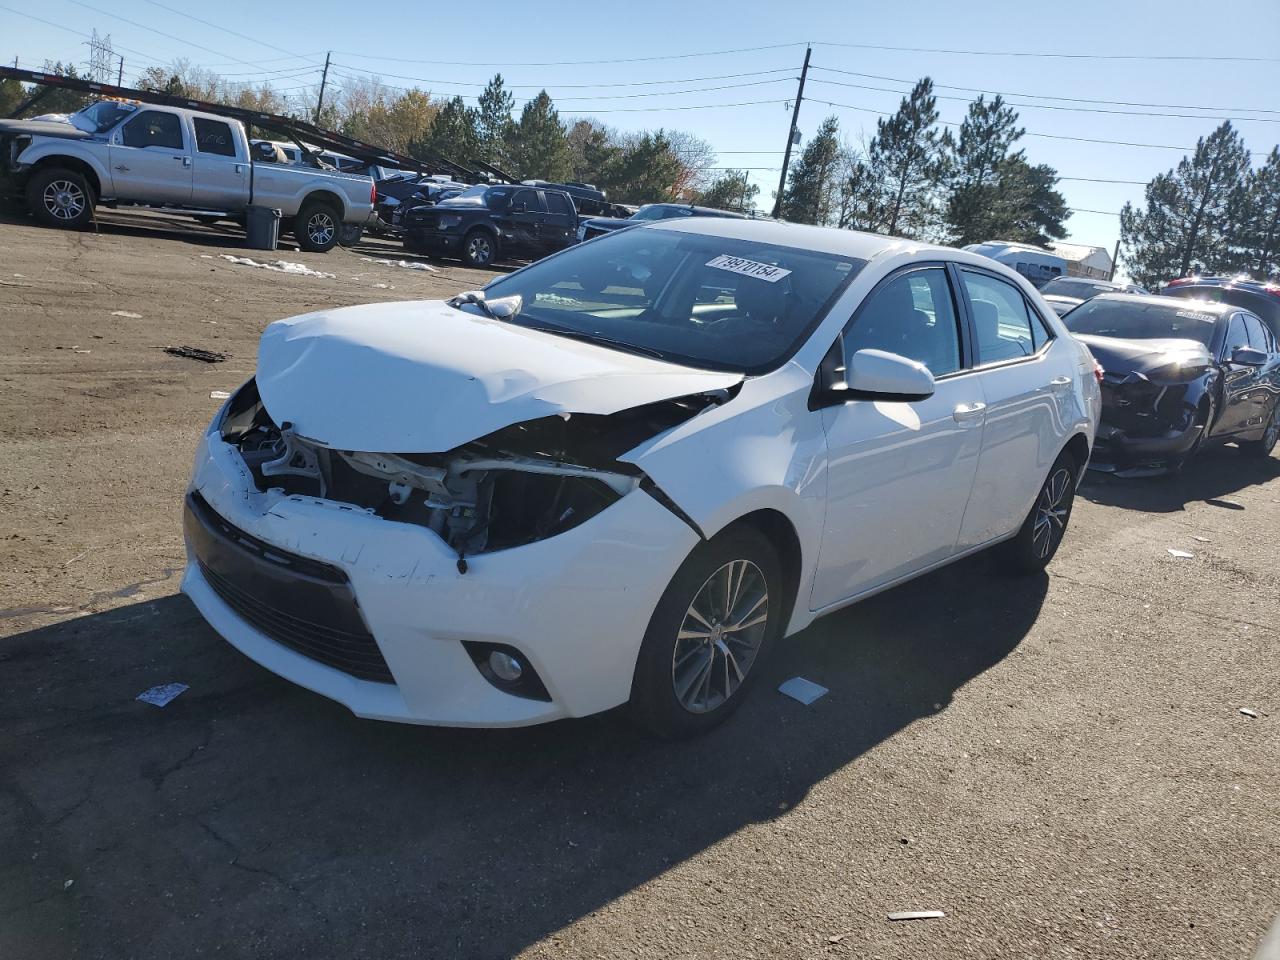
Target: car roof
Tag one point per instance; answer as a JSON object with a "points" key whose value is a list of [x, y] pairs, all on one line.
{"points": [[1202, 306], [848, 243]]}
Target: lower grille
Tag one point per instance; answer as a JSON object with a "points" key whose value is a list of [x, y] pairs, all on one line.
{"points": [[301, 604]]}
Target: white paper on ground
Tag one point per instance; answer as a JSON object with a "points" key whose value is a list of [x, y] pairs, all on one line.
{"points": [[161, 695], [805, 691], [916, 915], [1181, 554]]}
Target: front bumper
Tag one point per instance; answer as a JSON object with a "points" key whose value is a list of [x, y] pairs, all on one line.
{"points": [[1114, 449], [576, 605]]}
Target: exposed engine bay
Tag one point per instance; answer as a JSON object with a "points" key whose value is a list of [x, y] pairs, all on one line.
{"points": [[523, 483]]}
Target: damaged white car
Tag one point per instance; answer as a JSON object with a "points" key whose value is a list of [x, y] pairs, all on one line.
{"points": [[620, 475]]}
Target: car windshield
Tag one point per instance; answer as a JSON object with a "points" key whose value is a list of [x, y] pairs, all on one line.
{"points": [[106, 114], [656, 211], [1135, 320], [702, 301], [1084, 289]]}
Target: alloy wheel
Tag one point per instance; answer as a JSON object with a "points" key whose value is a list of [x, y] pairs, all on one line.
{"points": [[720, 636], [320, 228], [1272, 434], [1053, 507], [64, 199], [478, 250]]}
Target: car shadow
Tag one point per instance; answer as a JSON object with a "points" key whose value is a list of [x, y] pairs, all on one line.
{"points": [[251, 809], [1213, 476]]}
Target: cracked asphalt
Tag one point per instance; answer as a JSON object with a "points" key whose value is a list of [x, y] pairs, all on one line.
{"points": [[1060, 764]]}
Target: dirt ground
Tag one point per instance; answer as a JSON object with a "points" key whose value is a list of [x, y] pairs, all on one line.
{"points": [[1060, 764]]}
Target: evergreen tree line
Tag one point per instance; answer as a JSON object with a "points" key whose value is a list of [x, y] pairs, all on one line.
{"points": [[917, 180]]}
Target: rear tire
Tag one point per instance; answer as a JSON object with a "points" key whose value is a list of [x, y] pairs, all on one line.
{"points": [[58, 197], [317, 226], [1261, 448], [715, 624], [479, 249], [1046, 524]]}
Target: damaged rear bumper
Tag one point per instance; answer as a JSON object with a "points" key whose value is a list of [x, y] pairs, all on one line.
{"points": [[575, 605]]}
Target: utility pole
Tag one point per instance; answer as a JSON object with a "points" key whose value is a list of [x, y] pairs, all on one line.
{"points": [[323, 79], [1115, 260], [791, 134], [120, 75]]}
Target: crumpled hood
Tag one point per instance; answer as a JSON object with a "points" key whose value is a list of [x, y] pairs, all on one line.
{"points": [[424, 377], [43, 128], [1119, 357]]}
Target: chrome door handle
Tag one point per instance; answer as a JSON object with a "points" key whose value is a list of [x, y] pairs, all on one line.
{"points": [[969, 411], [186, 161], [122, 168]]}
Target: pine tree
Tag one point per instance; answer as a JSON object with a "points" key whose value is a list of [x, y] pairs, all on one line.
{"points": [[904, 166], [1259, 232], [593, 152], [809, 196], [645, 171], [541, 150], [732, 190], [452, 134], [12, 94], [495, 124], [1189, 211], [1025, 205], [974, 164]]}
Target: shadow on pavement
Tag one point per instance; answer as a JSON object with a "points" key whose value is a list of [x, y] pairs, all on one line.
{"points": [[1213, 476], [256, 818]]}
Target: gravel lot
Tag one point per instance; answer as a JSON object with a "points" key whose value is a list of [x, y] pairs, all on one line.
{"points": [[1060, 764]]}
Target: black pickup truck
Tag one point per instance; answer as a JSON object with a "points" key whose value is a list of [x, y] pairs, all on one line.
{"points": [[484, 223]]}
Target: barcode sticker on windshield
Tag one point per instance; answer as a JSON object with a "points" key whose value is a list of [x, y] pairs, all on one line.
{"points": [[1202, 317], [748, 268]]}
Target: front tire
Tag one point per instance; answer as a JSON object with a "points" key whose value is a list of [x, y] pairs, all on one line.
{"points": [[1042, 532], [58, 197], [479, 249], [707, 637], [1262, 447], [317, 226]]}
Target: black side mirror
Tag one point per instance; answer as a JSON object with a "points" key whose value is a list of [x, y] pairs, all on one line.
{"points": [[1249, 357]]}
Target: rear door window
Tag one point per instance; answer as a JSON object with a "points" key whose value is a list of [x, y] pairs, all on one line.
{"points": [[557, 203], [213, 136], [151, 128], [1001, 319]]}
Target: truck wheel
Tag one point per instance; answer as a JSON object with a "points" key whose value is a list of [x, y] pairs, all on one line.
{"points": [[316, 226], [58, 197], [479, 248], [350, 234]]}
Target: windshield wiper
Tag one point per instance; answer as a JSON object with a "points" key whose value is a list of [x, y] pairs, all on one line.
{"points": [[589, 337], [504, 308]]}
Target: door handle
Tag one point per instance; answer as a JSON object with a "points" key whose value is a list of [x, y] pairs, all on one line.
{"points": [[1060, 383], [969, 411], [122, 168], [240, 168], [186, 161]]}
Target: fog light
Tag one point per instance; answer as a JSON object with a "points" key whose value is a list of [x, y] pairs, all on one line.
{"points": [[505, 667]]}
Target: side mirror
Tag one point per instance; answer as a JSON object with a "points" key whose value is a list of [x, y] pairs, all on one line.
{"points": [[1249, 357], [881, 375]]}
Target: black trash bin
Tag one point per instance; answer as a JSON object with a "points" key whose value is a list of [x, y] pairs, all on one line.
{"points": [[262, 226]]}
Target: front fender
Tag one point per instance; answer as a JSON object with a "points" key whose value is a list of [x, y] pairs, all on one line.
{"points": [[51, 150], [763, 450]]}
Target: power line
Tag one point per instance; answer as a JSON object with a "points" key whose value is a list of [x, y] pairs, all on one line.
{"points": [[1045, 96], [569, 63], [215, 26], [1049, 106], [1052, 56], [1028, 133], [59, 26], [625, 96], [1104, 213], [170, 36], [564, 86]]}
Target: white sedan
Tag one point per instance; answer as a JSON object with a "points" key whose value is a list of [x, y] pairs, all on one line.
{"points": [[622, 474]]}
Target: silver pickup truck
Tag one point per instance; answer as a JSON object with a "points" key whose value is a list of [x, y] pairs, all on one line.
{"points": [[129, 153]]}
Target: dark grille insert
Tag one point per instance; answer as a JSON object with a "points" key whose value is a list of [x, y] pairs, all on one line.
{"points": [[300, 603]]}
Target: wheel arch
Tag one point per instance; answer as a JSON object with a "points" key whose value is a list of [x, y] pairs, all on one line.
{"points": [[80, 166], [325, 196], [776, 527], [1078, 447]]}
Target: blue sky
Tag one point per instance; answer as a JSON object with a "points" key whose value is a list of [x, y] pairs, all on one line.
{"points": [[408, 45]]}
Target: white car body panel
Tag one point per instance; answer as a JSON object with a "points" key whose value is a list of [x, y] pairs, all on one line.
{"points": [[439, 377], [876, 492]]}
